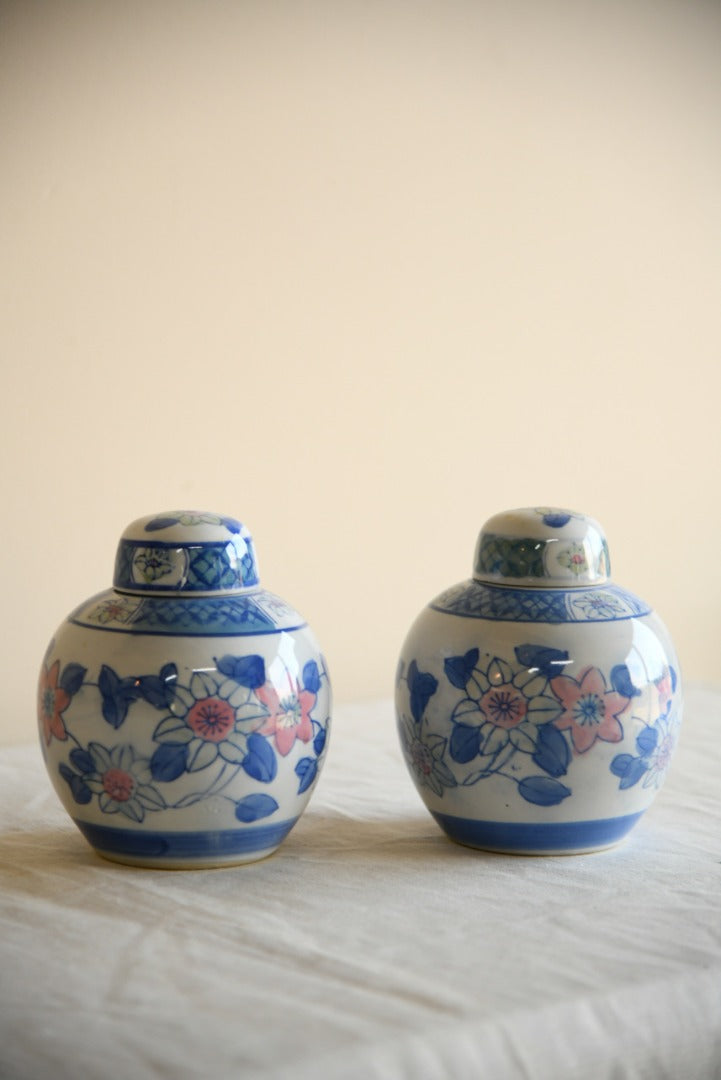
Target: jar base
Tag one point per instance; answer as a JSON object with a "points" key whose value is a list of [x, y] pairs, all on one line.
{"points": [[204, 850], [537, 838], [184, 864]]}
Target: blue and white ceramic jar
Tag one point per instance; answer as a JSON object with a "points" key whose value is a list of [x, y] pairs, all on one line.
{"points": [[538, 704], [184, 713]]}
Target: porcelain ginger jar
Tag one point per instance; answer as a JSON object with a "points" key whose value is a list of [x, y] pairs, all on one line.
{"points": [[184, 713], [538, 704]]}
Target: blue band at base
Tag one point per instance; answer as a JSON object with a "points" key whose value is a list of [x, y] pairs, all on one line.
{"points": [[558, 836], [219, 843]]}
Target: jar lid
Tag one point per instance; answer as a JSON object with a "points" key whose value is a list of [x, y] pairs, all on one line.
{"points": [[542, 547], [185, 551]]}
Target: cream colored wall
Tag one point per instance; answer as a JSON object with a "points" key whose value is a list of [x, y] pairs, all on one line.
{"points": [[361, 274]]}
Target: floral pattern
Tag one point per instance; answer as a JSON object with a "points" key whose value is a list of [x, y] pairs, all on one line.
{"points": [[289, 717], [554, 518], [53, 700], [526, 720], [656, 750], [211, 718], [573, 558], [117, 609], [120, 780], [655, 743], [480, 600], [598, 605], [590, 710], [228, 720], [152, 563], [190, 518], [426, 758]]}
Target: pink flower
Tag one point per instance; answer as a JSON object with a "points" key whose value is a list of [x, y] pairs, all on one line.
{"points": [[421, 757], [504, 706], [665, 691], [590, 711], [211, 719], [118, 784], [52, 703], [289, 716]]}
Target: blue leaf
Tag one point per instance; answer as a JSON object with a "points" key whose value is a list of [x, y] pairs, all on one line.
{"points": [[82, 760], [543, 791], [459, 669], [247, 670], [118, 694], [556, 520], [646, 741], [161, 523], [72, 677], [465, 743], [254, 807], [550, 662], [306, 769], [80, 791], [108, 681], [422, 687], [634, 773], [552, 751], [260, 761], [169, 762], [169, 674], [311, 677], [621, 764], [621, 681], [319, 741], [155, 691], [674, 679]]}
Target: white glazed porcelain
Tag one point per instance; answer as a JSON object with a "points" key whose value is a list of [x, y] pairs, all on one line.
{"points": [[184, 713], [538, 704]]}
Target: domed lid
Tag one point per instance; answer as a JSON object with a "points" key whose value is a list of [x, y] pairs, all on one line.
{"points": [[542, 547], [185, 551]]}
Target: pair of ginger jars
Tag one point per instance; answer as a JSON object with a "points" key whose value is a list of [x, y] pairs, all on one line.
{"points": [[184, 713]]}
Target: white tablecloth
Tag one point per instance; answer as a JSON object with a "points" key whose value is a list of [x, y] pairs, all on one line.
{"points": [[369, 946]]}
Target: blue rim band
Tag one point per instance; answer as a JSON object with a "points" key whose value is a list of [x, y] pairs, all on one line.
{"points": [[541, 837], [156, 566], [258, 612], [199, 846], [503, 603]]}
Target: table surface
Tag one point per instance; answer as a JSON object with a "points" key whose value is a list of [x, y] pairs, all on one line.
{"points": [[369, 945]]}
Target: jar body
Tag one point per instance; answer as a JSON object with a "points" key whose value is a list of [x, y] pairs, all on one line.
{"points": [[184, 731], [537, 721]]}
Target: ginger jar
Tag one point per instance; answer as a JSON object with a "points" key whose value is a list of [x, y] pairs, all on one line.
{"points": [[538, 704], [184, 713]]}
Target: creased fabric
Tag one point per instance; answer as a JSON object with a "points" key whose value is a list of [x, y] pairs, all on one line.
{"points": [[369, 946]]}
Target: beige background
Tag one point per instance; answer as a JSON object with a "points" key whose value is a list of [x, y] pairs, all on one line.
{"points": [[361, 274]]}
